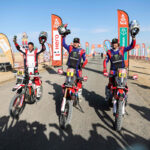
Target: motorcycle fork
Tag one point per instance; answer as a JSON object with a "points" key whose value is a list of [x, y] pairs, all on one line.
{"points": [[22, 97], [64, 101], [29, 90], [115, 105]]}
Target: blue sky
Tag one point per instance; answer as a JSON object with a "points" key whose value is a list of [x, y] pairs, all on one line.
{"points": [[91, 20]]}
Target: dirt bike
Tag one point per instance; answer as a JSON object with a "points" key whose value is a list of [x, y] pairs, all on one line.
{"points": [[70, 96], [118, 97], [26, 92]]}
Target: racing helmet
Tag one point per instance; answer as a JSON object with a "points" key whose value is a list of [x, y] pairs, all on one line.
{"points": [[63, 30], [134, 27], [43, 37], [114, 41]]}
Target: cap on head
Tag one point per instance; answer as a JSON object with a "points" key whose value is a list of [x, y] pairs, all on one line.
{"points": [[114, 41], [31, 43], [76, 40]]}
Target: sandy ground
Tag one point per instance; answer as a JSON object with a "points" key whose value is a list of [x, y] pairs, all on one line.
{"points": [[142, 85], [91, 127]]}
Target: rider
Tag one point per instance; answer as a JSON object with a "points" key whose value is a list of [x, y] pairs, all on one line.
{"points": [[76, 53], [31, 59], [116, 58]]}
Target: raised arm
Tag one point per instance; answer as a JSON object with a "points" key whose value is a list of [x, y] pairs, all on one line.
{"points": [[67, 47], [131, 46], [18, 47], [42, 49]]}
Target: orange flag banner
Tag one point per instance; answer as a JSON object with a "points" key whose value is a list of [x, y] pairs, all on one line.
{"points": [[123, 32], [57, 55]]}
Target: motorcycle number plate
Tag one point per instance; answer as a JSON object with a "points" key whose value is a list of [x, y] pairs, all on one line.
{"points": [[121, 74], [20, 73], [70, 73]]}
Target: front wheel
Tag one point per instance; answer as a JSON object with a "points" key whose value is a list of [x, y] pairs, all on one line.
{"points": [[119, 116], [65, 117], [39, 93], [17, 105]]}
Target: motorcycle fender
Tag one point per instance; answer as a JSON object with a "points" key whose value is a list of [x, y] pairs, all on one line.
{"points": [[121, 94], [63, 105], [72, 90], [17, 87]]}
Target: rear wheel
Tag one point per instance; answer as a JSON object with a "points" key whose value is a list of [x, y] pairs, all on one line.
{"points": [[119, 116], [65, 117], [15, 108]]}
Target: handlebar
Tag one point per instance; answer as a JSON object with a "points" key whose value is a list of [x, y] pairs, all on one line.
{"points": [[28, 77], [33, 76], [80, 78]]}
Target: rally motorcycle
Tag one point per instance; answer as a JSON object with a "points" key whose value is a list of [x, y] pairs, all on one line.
{"points": [[26, 92], [118, 97], [71, 94]]}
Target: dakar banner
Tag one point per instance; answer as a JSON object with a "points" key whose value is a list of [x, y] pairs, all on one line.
{"points": [[50, 50], [123, 32], [87, 48], [24, 40], [148, 51], [143, 50], [106, 45], [6, 48], [92, 49], [138, 53], [24, 44], [56, 41]]}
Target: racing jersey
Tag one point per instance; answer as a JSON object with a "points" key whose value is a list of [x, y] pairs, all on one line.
{"points": [[116, 58], [75, 56], [30, 57]]}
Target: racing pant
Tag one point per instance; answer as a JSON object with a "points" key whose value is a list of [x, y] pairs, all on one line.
{"points": [[111, 81]]}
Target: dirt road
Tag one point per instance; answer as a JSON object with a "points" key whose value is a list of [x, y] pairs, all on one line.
{"points": [[90, 129]]}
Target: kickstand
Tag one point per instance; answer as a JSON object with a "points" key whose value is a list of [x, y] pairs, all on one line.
{"points": [[80, 108], [126, 113]]}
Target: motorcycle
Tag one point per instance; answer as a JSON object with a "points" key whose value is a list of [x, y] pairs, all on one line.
{"points": [[26, 92], [71, 95], [118, 97]]}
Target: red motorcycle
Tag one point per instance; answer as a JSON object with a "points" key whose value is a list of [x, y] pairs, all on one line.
{"points": [[118, 97], [26, 92], [70, 96]]}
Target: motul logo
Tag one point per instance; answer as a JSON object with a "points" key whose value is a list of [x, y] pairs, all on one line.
{"points": [[123, 20], [56, 23]]}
